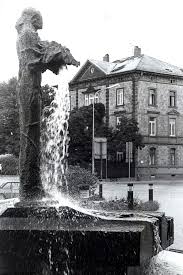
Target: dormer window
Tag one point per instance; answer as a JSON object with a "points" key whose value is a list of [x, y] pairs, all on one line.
{"points": [[92, 70]]}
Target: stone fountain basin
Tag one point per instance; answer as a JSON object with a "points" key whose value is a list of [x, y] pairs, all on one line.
{"points": [[84, 242]]}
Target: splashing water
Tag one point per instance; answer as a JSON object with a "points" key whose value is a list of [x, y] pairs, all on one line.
{"points": [[157, 240], [55, 139]]}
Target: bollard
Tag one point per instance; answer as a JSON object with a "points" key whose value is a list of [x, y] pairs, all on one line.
{"points": [[100, 190], [150, 191], [130, 196]]}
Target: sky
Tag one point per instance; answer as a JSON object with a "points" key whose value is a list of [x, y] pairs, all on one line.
{"points": [[90, 29]]}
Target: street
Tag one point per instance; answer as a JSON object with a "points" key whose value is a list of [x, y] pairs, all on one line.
{"points": [[168, 193]]}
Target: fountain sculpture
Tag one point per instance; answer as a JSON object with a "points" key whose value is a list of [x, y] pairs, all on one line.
{"points": [[40, 239], [35, 57]]}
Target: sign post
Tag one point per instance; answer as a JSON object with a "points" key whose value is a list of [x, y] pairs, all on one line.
{"points": [[129, 156], [100, 152]]}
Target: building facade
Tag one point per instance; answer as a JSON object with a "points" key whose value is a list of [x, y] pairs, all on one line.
{"points": [[147, 89]]}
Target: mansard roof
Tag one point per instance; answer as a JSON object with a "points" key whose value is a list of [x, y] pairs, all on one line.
{"points": [[142, 62]]}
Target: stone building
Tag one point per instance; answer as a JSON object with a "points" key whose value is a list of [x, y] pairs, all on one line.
{"points": [[147, 89]]}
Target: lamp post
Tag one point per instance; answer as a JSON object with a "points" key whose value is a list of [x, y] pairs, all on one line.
{"points": [[93, 133], [93, 136], [93, 126]]}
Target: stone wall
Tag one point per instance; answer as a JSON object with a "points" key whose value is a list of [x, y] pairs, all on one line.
{"points": [[161, 109], [162, 142], [126, 109]]}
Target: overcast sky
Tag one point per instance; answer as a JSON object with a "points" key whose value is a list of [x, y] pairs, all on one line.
{"points": [[90, 29]]}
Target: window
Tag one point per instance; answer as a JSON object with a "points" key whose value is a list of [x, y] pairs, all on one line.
{"points": [[152, 156], [89, 98], [120, 156], [172, 156], [86, 100], [92, 70], [118, 121], [172, 99], [152, 97], [120, 96], [152, 126], [172, 127], [97, 98]]}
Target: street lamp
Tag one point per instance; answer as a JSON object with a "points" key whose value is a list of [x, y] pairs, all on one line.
{"points": [[93, 126], [93, 133]]}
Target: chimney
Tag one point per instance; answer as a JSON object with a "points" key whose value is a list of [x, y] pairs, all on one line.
{"points": [[137, 51], [106, 58]]}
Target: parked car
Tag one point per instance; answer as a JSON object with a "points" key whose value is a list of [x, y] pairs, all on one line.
{"points": [[9, 190]]}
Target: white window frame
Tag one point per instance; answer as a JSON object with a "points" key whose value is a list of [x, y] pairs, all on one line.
{"points": [[97, 98], [152, 126], [172, 156], [89, 98], [152, 97], [86, 100], [118, 122], [172, 127], [152, 156], [120, 96], [172, 99]]}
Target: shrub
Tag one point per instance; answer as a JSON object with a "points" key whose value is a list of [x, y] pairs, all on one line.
{"points": [[9, 164], [78, 178], [122, 204], [149, 206]]}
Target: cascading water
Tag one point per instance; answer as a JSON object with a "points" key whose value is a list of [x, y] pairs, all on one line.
{"points": [[55, 139]]}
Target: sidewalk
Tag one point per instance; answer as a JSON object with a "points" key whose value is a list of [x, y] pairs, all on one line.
{"points": [[133, 180]]}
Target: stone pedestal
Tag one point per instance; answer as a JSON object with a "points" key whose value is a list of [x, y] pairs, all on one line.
{"points": [[50, 240]]}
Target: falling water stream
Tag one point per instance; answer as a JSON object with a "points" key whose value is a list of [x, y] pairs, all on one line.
{"points": [[55, 139], [55, 143]]}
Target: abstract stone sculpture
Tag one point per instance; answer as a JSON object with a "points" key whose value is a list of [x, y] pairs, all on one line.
{"points": [[35, 57]]}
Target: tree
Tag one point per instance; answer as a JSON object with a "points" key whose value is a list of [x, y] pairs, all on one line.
{"points": [[80, 131], [127, 130], [48, 94], [9, 115], [9, 118], [77, 178]]}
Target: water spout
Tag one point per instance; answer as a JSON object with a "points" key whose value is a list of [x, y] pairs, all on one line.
{"points": [[55, 139]]}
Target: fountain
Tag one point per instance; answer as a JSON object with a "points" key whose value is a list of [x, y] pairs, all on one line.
{"points": [[38, 236]]}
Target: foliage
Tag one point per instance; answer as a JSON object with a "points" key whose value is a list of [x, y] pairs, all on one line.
{"points": [[9, 118], [122, 204], [80, 131], [126, 131], [149, 206], [9, 115], [48, 94], [78, 177], [9, 164]]}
